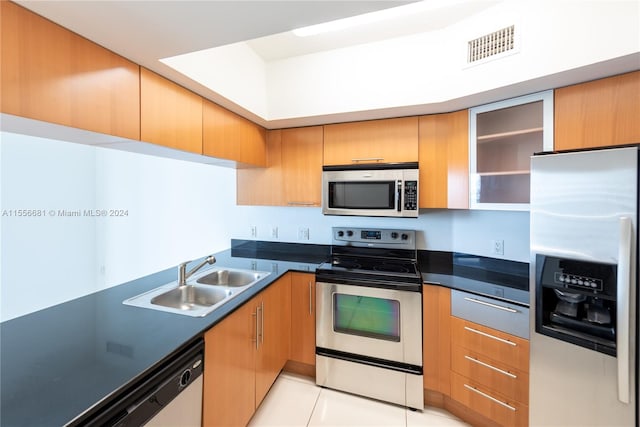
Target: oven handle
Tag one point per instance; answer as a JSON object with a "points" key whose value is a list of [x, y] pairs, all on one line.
{"points": [[623, 291], [399, 196]]}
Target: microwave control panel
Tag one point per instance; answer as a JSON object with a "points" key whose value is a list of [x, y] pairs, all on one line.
{"points": [[410, 195]]}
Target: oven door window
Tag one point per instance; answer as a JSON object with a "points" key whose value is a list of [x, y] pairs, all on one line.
{"points": [[362, 195], [369, 317]]}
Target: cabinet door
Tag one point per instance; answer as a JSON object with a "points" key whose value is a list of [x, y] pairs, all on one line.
{"points": [[170, 115], [54, 75], [263, 186], [227, 135], [302, 165], [436, 305], [502, 138], [303, 318], [229, 374], [444, 160], [599, 113], [384, 141], [274, 312]]}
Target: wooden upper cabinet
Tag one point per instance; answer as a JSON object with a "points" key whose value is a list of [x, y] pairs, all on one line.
{"points": [[598, 113], [263, 186], [444, 160], [54, 75], [227, 135], [170, 115], [383, 141], [302, 166]]}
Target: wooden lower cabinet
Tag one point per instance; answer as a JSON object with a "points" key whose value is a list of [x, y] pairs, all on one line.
{"points": [[477, 373], [275, 322], [229, 374], [490, 372], [303, 318], [436, 305], [495, 406], [244, 355]]}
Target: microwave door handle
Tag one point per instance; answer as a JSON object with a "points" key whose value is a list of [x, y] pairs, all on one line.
{"points": [[399, 196], [623, 315]]}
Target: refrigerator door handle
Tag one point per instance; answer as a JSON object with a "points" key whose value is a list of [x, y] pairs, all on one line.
{"points": [[624, 292]]}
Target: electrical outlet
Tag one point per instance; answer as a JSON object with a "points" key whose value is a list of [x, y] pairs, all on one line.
{"points": [[303, 233], [274, 232], [254, 231], [497, 247]]}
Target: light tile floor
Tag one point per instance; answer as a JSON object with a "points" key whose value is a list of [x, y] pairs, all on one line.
{"points": [[297, 401]]}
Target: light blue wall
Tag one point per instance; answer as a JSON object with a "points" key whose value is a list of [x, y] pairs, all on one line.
{"points": [[176, 211]]}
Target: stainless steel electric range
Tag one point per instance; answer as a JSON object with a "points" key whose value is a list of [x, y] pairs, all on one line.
{"points": [[369, 316]]}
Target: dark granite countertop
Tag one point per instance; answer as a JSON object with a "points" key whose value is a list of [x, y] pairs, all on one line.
{"points": [[495, 278], [69, 359]]}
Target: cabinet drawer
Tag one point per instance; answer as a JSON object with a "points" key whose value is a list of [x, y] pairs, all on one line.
{"points": [[492, 374], [496, 314], [496, 345], [492, 405]]}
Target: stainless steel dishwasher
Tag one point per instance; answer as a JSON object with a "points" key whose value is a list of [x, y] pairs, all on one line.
{"points": [[170, 396]]}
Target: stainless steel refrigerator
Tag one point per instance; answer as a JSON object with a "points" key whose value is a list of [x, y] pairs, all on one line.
{"points": [[584, 234]]}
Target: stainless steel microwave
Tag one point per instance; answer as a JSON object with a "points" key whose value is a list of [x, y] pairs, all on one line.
{"points": [[379, 189]]}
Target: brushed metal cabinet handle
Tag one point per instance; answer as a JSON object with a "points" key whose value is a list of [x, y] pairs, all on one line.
{"points": [[486, 365], [262, 322], [367, 159], [493, 399], [484, 334], [488, 304], [302, 203], [255, 314]]}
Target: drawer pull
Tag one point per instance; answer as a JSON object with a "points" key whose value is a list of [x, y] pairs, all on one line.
{"points": [[493, 399], [484, 334], [488, 304], [302, 203], [367, 159], [486, 365]]}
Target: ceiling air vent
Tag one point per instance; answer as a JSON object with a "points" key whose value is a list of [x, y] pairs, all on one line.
{"points": [[490, 45]]}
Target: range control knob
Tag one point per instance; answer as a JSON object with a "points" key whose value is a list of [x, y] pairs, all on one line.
{"points": [[405, 236], [394, 235], [340, 233], [349, 233]]}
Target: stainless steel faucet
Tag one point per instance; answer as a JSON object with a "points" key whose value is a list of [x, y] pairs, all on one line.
{"points": [[182, 269]]}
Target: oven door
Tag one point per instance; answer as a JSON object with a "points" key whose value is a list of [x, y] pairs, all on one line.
{"points": [[370, 322]]}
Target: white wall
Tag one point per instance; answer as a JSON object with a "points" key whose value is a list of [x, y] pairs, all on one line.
{"points": [[176, 211], [441, 230]]}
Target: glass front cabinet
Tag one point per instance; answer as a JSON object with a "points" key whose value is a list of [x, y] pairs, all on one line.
{"points": [[502, 137]]}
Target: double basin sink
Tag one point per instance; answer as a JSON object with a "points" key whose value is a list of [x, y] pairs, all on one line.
{"points": [[201, 296]]}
